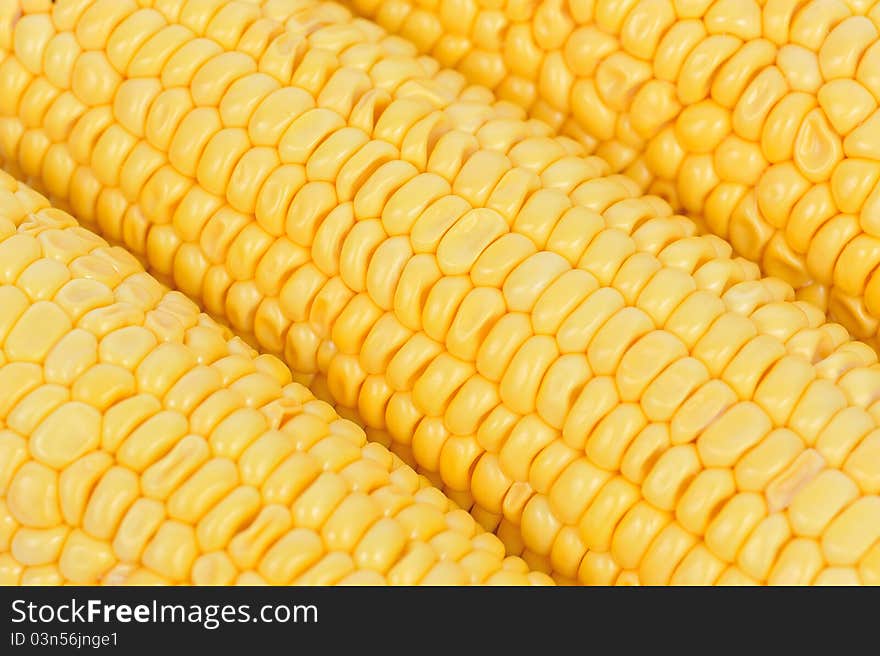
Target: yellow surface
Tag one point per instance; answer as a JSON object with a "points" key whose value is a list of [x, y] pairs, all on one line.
{"points": [[140, 444], [760, 119], [623, 400]]}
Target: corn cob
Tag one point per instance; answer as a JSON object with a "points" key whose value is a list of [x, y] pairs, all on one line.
{"points": [[758, 118], [139, 444], [633, 403]]}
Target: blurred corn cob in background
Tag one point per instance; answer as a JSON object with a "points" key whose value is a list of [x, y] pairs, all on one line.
{"points": [[621, 398], [140, 444], [760, 119]]}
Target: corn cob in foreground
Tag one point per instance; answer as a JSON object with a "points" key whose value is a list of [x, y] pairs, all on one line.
{"points": [[632, 404], [139, 444], [759, 118]]}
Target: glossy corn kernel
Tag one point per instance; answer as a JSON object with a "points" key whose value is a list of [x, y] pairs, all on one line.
{"points": [[139, 443], [760, 119], [623, 401]]}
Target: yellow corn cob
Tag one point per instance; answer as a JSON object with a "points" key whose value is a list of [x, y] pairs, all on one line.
{"points": [[139, 444], [634, 404], [759, 118]]}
